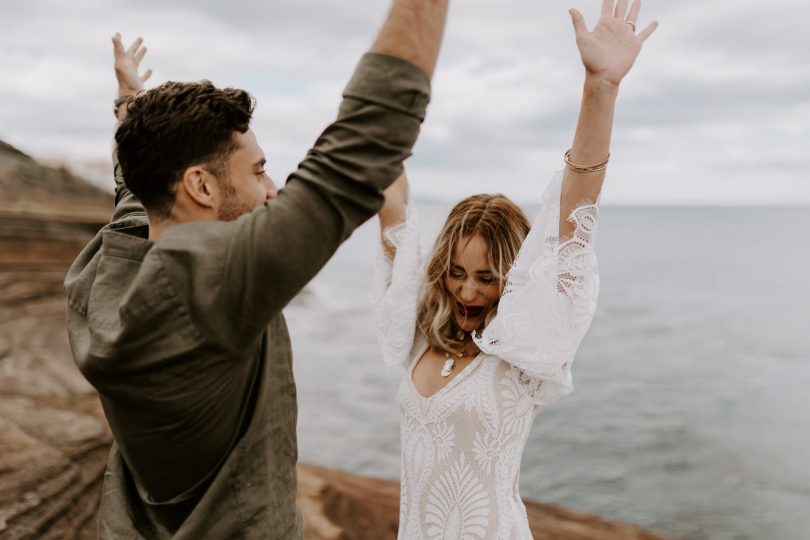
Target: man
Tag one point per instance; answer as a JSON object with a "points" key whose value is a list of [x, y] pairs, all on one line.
{"points": [[174, 309]]}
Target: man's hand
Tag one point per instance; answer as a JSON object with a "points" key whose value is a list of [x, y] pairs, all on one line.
{"points": [[127, 63], [609, 51]]}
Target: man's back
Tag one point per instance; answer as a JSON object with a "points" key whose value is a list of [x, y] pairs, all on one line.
{"points": [[184, 338], [163, 382]]}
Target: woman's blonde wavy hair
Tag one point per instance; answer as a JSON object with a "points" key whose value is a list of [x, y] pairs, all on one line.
{"points": [[504, 226]]}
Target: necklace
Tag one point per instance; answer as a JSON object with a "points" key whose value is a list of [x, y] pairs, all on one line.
{"points": [[449, 363]]}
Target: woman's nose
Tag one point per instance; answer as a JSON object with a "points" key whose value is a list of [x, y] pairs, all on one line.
{"points": [[468, 290]]}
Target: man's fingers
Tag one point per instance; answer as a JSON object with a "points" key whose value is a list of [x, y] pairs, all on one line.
{"points": [[647, 32], [607, 7], [118, 47], [146, 75], [621, 9], [632, 16], [579, 22], [135, 45], [139, 55]]}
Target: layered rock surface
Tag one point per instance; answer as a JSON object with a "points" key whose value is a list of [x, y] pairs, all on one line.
{"points": [[53, 436]]}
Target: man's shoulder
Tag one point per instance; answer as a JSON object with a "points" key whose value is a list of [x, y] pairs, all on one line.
{"points": [[194, 249]]}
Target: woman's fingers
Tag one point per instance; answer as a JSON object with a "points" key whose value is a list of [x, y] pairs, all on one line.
{"points": [[579, 22], [607, 7], [632, 15], [647, 32], [146, 75], [621, 9]]}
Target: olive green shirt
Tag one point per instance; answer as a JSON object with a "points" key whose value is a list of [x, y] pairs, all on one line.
{"points": [[185, 341]]}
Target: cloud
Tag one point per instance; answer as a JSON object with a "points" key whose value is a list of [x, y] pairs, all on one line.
{"points": [[716, 111]]}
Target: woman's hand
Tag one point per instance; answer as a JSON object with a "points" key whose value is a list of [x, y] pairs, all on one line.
{"points": [[608, 52], [396, 202], [127, 63], [394, 211], [396, 195]]}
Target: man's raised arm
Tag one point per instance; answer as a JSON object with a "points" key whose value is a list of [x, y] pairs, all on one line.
{"points": [[272, 253], [130, 82], [413, 31]]}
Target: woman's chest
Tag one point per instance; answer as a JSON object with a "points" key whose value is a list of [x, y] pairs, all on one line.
{"points": [[434, 371], [487, 396]]}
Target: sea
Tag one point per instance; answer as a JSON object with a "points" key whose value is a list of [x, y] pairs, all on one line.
{"points": [[691, 413]]}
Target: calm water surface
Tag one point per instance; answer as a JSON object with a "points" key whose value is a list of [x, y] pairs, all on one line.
{"points": [[691, 414]]}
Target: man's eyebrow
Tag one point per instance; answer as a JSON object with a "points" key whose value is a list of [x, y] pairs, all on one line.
{"points": [[261, 162]]}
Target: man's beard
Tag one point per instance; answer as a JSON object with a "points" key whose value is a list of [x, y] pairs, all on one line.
{"points": [[232, 208]]}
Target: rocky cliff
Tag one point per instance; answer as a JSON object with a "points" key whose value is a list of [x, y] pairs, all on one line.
{"points": [[53, 436]]}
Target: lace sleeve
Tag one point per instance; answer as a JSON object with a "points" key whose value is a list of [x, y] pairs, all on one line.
{"points": [[549, 299], [396, 289]]}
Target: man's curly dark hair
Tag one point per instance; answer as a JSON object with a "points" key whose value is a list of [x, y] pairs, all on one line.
{"points": [[173, 127]]}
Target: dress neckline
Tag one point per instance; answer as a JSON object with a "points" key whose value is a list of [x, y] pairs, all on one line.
{"points": [[463, 374]]}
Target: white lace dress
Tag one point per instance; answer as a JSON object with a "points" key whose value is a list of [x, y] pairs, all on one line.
{"points": [[461, 447]]}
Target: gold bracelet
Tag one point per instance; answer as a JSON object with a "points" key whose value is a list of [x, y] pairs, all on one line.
{"points": [[582, 168]]}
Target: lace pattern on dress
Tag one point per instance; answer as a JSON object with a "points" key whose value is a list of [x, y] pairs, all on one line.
{"points": [[549, 299], [396, 287], [461, 447], [545, 310]]}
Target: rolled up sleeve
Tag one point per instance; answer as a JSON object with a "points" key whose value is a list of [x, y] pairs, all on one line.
{"points": [[246, 271]]}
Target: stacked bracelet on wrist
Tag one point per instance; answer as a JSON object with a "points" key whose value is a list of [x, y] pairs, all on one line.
{"points": [[123, 100], [126, 100], [585, 168]]}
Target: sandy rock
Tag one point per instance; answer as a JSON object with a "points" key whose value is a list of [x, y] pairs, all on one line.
{"points": [[54, 439]]}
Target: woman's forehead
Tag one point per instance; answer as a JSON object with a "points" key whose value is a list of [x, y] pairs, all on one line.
{"points": [[471, 253]]}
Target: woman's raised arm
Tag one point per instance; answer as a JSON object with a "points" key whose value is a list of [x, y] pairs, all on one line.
{"points": [[394, 211], [608, 52]]}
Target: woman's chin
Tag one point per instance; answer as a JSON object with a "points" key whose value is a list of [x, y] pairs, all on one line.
{"points": [[468, 325]]}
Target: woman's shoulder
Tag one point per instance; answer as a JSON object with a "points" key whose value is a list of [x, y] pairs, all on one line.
{"points": [[498, 365], [420, 345]]}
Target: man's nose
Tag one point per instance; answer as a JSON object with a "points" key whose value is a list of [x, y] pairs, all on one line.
{"points": [[272, 190]]}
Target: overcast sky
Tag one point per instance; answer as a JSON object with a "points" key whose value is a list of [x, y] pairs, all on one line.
{"points": [[716, 110]]}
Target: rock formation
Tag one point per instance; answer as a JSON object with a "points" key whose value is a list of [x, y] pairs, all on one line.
{"points": [[53, 436]]}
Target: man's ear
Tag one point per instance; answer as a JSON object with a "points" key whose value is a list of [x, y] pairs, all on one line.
{"points": [[200, 186]]}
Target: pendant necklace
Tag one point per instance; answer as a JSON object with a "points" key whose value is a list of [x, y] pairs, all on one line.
{"points": [[449, 364]]}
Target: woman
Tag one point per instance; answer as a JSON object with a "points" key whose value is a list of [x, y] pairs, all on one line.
{"points": [[485, 350]]}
